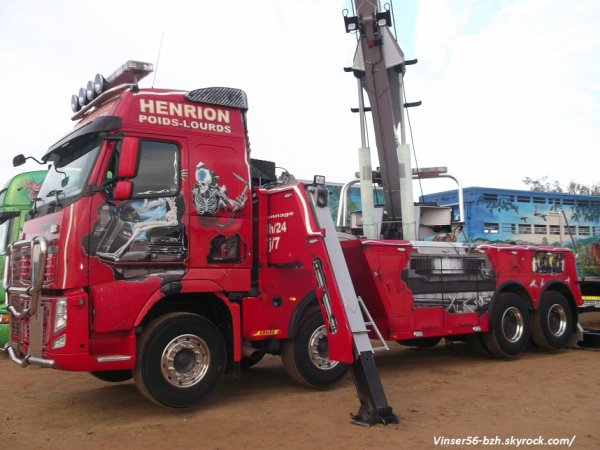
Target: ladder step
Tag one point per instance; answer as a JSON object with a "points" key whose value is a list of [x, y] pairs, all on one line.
{"points": [[369, 322]]}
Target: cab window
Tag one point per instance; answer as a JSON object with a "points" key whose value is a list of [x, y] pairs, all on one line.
{"points": [[158, 173], [5, 228]]}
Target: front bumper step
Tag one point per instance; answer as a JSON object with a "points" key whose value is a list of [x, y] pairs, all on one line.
{"points": [[28, 360]]}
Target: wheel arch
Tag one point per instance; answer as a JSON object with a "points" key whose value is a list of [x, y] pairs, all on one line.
{"points": [[304, 307], [214, 306], [512, 287]]}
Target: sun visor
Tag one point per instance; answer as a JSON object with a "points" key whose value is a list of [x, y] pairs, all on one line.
{"points": [[104, 123]]}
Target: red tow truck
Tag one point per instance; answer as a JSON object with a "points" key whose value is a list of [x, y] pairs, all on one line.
{"points": [[158, 249]]}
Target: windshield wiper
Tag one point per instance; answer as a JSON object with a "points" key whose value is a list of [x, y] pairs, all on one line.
{"points": [[34, 209], [56, 192]]}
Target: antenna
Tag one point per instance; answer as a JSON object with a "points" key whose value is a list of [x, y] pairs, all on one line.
{"points": [[158, 57]]}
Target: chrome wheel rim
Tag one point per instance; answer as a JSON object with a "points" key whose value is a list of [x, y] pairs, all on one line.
{"points": [[185, 361], [557, 320], [512, 324], [318, 350]]}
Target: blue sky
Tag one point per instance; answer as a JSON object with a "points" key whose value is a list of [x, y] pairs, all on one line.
{"points": [[509, 88]]}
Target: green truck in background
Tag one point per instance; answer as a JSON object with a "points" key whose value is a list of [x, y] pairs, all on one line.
{"points": [[15, 202]]}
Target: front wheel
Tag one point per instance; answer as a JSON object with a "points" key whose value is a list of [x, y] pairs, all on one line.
{"points": [[509, 326], [180, 359], [306, 357], [552, 322]]}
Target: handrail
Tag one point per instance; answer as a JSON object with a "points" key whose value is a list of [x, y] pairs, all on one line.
{"points": [[37, 276]]}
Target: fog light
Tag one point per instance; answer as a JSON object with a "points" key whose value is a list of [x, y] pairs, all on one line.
{"points": [[60, 342], [82, 97], [99, 84], [60, 314], [75, 106], [89, 91]]}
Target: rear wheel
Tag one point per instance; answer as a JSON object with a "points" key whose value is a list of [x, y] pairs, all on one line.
{"points": [[552, 322], [306, 357], [180, 359], [113, 376], [509, 327], [475, 341]]}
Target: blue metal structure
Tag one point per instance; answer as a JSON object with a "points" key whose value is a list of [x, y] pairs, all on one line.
{"points": [[526, 217]]}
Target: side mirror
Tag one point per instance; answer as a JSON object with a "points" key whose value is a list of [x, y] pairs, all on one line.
{"points": [[123, 190], [18, 160], [129, 158]]}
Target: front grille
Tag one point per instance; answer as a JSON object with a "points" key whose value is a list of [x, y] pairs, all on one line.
{"points": [[19, 328], [20, 263]]}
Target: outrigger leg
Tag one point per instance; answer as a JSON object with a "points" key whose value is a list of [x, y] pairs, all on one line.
{"points": [[336, 284], [374, 408]]}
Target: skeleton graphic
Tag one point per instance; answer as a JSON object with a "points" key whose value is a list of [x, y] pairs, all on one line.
{"points": [[209, 197], [150, 213]]}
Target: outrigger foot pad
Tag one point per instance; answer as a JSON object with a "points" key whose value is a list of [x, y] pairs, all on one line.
{"points": [[374, 408]]}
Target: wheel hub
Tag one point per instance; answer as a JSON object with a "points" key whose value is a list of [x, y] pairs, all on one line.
{"points": [[185, 360], [557, 320], [512, 324], [318, 349]]}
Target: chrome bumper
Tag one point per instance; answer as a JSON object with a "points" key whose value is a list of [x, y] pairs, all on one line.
{"points": [[28, 359]]}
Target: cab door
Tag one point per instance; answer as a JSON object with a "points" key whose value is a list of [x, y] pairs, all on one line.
{"points": [[139, 242]]}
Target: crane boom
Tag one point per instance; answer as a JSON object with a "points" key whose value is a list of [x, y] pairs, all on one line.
{"points": [[379, 64]]}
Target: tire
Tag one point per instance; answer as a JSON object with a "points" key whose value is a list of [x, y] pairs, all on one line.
{"points": [[428, 342], [509, 327], [552, 322], [113, 376], [180, 359], [248, 361], [475, 341], [305, 358]]}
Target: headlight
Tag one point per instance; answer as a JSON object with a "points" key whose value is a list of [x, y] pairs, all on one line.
{"points": [[4, 318], [60, 315]]}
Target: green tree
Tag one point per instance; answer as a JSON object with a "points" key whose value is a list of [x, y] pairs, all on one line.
{"points": [[543, 185]]}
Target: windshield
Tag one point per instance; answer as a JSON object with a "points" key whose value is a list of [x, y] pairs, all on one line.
{"points": [[69, 171], [4, 229]]}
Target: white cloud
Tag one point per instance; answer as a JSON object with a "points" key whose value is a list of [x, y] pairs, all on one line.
{"points": [[515, 96]]}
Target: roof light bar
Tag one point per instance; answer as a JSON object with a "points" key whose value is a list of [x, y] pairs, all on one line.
{"points": [[129, 73]]}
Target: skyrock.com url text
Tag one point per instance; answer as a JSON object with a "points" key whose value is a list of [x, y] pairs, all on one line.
{"points": [[443, 441]]}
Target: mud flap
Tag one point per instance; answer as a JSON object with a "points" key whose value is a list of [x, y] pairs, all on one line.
{"points": [[591, 339], [585, 339]]}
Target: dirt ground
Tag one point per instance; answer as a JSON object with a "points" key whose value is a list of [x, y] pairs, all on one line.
{"points": [[447, 391]]}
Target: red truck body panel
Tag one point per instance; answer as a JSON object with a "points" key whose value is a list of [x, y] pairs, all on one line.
{"points": [[379, 269]]}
